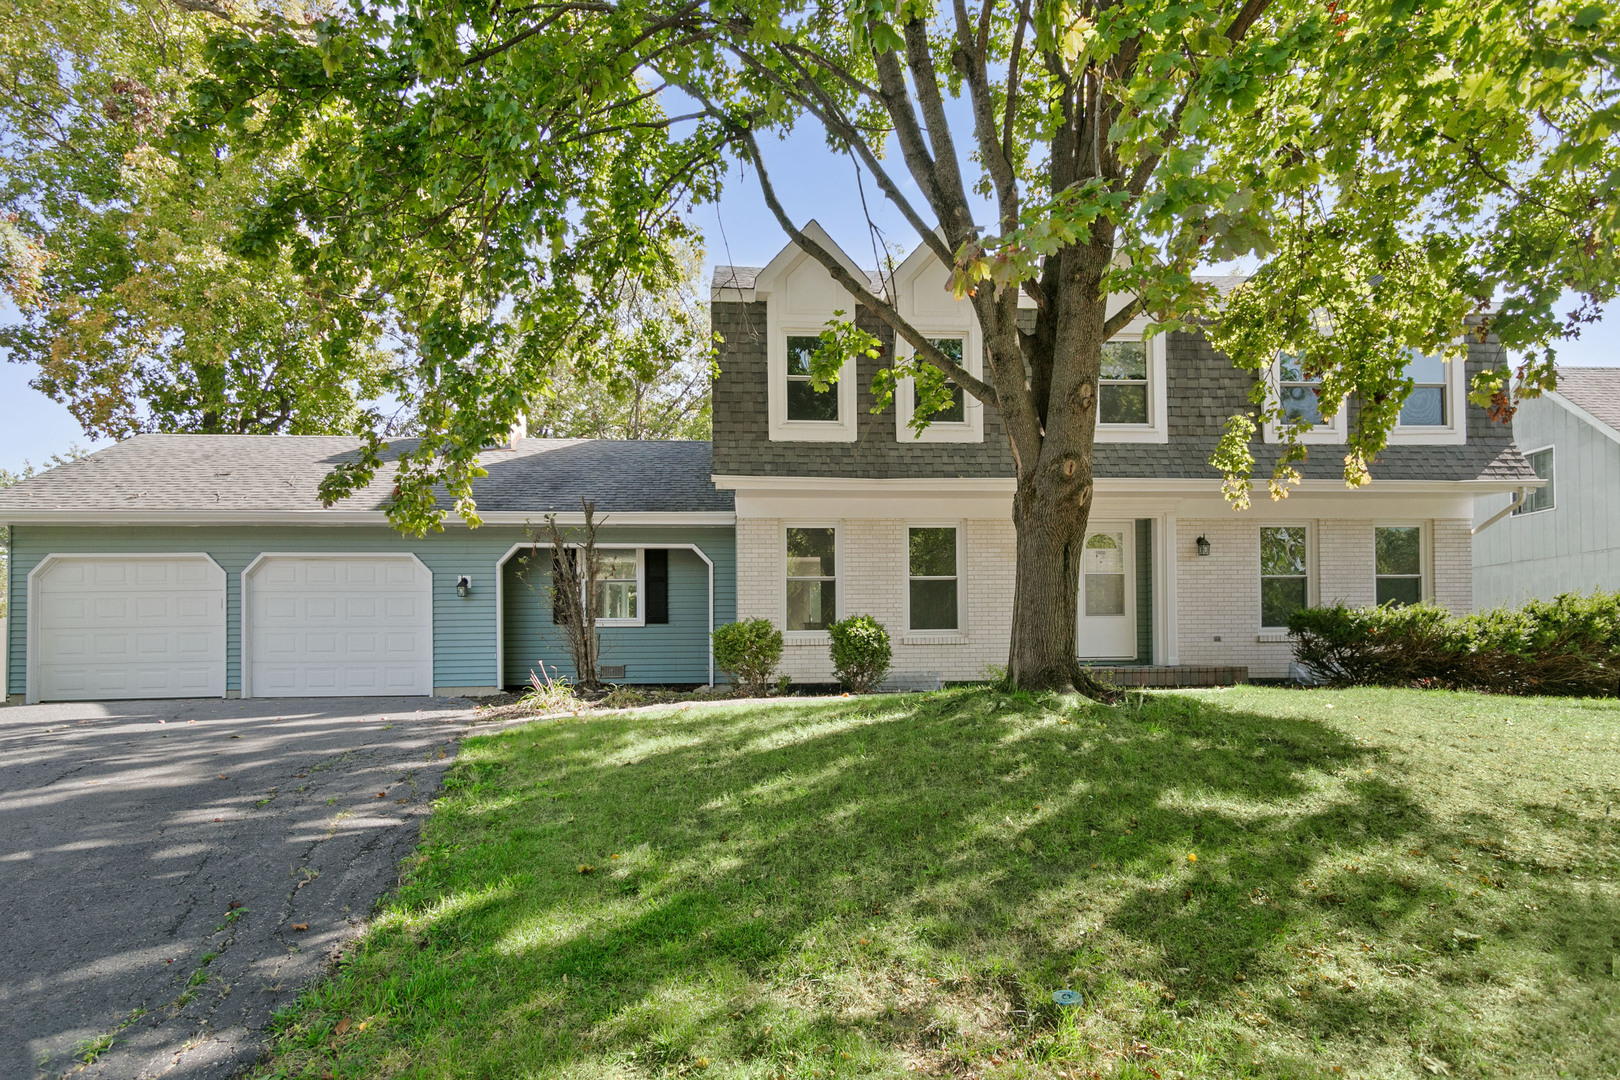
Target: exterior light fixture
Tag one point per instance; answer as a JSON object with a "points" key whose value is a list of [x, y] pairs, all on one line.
{"points": [[1202, 545], [463, 586]]}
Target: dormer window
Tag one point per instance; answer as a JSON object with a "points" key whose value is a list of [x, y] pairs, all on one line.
{"points": [[1122, 392], [956, 413], [961, 421], [1435, 412], [1298, 393], [804, 401], [1131, 396]]}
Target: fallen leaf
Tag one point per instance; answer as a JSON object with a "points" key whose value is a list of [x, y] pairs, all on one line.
{"points": [[758, 912], [585, 868], [222, 776], [233, 905], [342, 1027], [219, 819], [236, 736], [300, 926], [382, 794]]}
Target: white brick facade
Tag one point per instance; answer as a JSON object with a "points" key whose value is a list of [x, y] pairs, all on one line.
{"points": [[1217, 601]]}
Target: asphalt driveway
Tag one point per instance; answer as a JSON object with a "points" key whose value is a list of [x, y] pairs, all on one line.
{"points": [[173, 872]]}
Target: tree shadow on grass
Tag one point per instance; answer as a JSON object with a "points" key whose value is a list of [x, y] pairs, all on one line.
{"points": [[839, 883]]}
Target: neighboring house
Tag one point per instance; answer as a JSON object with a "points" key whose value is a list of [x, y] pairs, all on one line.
{"points": [[1565, 536], [204, 565]]}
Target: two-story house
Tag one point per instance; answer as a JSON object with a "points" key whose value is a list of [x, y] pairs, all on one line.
{"points": [[189, 565]]}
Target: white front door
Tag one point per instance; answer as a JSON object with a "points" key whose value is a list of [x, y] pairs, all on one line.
{"points": [[337, 626], [110, 627], [1107, 629]]}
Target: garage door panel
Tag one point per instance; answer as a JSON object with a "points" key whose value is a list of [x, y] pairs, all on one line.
{"points": [[339, 625], [119, 626]]}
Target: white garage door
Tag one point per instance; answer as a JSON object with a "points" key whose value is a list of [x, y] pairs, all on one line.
{"points": [[338, 626], [115, 627]]}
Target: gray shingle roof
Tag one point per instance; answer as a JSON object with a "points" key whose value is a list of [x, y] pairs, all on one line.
{"points": [[1595, 389], [251, 473], [743, 277]]}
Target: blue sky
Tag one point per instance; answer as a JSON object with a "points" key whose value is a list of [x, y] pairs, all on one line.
{"points": [[811, 181]]}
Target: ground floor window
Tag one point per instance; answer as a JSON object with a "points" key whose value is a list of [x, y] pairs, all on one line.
{"points": [[616, 586], [1399, 556], [1284, 574], [812, 578], [933, 578]]}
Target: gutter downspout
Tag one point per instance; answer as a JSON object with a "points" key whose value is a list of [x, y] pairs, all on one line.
{"points": [[1518, 501]]}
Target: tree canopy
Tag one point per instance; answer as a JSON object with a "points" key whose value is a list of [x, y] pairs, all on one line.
{"points": [[1406, 172]]}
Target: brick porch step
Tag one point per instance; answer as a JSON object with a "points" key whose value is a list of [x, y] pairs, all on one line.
{"points": [[1179, 675]]}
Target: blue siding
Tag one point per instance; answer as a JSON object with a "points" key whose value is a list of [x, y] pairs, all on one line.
{"points": [[464, 630]]}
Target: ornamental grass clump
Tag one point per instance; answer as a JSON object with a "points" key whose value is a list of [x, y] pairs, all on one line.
{"points": [[860, 652], [749, 652], [1567, 646]]}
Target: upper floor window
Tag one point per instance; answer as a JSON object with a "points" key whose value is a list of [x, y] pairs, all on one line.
{"points": [[1284, 574], [962, 420], [1122, 392], [812, 578], [956, 413], [1131, 394], [804, 401], [1398, 559], [1298, 393], [1426, 405], [1540, 498]]}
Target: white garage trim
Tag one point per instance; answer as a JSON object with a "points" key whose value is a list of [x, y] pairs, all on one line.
{"points": [[500, 598], [34, 615], [246, 590]]}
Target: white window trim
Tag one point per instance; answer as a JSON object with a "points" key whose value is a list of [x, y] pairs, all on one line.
{"points": [[1549, 448], [1157, 429], [781, 428], [1454, 432], [812, 637], [641, 582], [1334, 430], [958, 632], [1280, 633], [971, 428], [1425, 559]]}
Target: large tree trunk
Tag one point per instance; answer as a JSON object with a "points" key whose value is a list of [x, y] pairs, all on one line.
{"points": [[1049, 513]]}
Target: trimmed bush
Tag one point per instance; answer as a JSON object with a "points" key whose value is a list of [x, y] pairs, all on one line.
{"points": [[748, 652], [860, 652], [1568, 646]]}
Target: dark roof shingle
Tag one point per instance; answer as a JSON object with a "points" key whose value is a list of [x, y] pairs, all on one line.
{"points": [[1595, 389]]}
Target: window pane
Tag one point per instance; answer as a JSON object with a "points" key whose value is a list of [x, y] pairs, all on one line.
{"points": [[1104, 554], [799, 350], [933, 605], [933, 553], [1539, 498], [951, 347], [1299, 403], [810, 604], [1282, 551], [1397, 551], [956, 412], [810, 553], [803, 403], [1426, 407], [1124, 360], [1105, 594], [1425, 369], [1122, 403], [615, 564], [1400, 590], [615, 600], [1289, 368], [1280, 598]]}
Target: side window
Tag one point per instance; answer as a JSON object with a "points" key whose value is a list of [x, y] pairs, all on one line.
{"points": [[1122, 389], [1425, 406], [933, 579], [804, 402], [1284, 575], [812, 578], [1540, 498], [957, 412], [1399, 565]]}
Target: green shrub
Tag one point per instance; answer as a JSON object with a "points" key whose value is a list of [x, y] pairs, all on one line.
{"points": [[748, 652], [860, 652], [1570, 646]]}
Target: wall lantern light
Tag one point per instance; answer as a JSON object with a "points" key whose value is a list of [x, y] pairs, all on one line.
{"points": [[463, 586], [1203, 545]]}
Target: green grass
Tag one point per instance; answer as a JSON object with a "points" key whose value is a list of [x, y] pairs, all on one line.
{"points": [[1248, 882]]}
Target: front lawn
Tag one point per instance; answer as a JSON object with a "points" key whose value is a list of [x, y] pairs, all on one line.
{"points": [[1244, 882]]}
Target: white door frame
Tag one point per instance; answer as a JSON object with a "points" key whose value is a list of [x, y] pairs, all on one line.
{"points": [[31, 667], [1128, 528], [245, 657], [500, 596]]}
